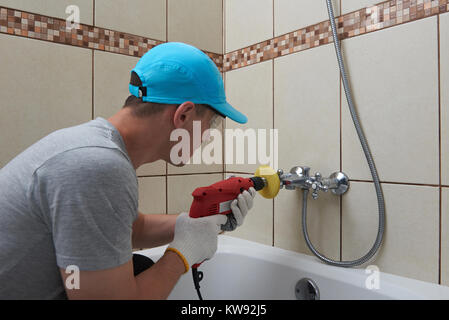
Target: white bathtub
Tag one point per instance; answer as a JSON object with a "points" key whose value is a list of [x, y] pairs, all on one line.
{"points": [[247, 270]]}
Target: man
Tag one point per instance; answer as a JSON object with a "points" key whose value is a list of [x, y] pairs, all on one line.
{"points": [[71, 199]]}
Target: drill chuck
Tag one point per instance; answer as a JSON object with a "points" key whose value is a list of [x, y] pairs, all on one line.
{"points": [[259, 183]]}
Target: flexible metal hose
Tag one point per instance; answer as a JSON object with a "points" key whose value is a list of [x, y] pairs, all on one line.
{"points": [[369, 158]]}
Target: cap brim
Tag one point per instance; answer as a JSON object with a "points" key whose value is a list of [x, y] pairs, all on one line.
{"points": [[227, 110]]}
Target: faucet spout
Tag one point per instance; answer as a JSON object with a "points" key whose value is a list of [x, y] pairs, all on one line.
{"points": [[298, 177]]}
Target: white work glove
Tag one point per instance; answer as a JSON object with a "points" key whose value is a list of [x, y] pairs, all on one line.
{"points": [[195, 239], [240, 208]]}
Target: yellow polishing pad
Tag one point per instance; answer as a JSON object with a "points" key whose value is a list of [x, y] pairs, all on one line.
{"points": [[273, 183]]}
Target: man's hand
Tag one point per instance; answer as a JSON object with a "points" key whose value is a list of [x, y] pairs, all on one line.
{"points": [[196, 239], [240, 208]]}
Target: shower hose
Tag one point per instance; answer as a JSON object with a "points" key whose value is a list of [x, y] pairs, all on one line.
{"points": [[369, 158]]}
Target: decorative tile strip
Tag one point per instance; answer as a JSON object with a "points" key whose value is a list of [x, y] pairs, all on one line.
{"points": [[377, 17], [40, 27]]}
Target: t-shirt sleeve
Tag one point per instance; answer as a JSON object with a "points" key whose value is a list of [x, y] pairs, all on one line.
{"points": [[89, 197]]}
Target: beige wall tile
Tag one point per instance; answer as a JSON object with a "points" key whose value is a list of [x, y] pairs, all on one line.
{"points": [[445, 236], [250, 90], [397, 101], [323, 222], [411, 242], [58, 93], [352, 5], [444, 65], [258, 225], [290, 15], [53, 8], [152, 169], [180, 190], [112, 75], [195, 168], [247, 22], [141, 17], [306, 110], [197, 22], [152, 195]]}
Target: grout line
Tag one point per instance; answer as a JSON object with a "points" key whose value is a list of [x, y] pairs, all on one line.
{"points": [[166, 188], [166, 20], [341, 227], [93, 84], [341, 160], [179, 174], [272, 241], [239, 172], [152, 176], [273, 18], [341, 153], [223, 26], [223, 23], [398, 183], [93, 64], [351, 180], [223, 135], [439, 150]]}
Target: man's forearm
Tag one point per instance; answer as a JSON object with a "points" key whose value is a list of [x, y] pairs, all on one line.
{"points": [[120, 283], [152, 230]]}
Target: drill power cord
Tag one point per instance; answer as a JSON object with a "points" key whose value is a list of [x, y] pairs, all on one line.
{"points": [[197, 277]]}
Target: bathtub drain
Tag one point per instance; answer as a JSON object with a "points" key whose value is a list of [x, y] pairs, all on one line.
{"points": [[306, 289]]}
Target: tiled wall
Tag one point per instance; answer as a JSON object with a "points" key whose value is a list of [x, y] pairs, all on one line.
{"points": [[279, 68], [283, 72], [52, 79]]}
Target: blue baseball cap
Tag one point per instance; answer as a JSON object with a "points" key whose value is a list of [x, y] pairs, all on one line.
{"points": [[174, 72]]}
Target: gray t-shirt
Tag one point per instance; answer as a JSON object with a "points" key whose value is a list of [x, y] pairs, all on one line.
{"points": [[69, 199]]}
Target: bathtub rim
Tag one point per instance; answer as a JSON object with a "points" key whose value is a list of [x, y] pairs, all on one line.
{"points": [[391, 285]]}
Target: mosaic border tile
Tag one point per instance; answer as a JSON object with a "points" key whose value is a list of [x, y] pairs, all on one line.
{"points": [[365, 20], [377, 17], [40, 27]]}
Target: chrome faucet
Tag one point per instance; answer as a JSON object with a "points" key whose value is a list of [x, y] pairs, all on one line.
{"points": [[299, 177]]}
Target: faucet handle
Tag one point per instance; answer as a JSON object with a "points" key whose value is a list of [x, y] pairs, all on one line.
{"points": [[300, 171], [315, 187]]}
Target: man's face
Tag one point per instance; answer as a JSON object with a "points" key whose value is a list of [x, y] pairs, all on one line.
{"points": [[209, 119]]}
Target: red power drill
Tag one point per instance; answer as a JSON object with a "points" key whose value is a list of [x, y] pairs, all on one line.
{"points": [[217, 198]]}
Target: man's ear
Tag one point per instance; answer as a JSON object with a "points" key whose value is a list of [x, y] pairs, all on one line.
{"points": [[183, 114]]}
